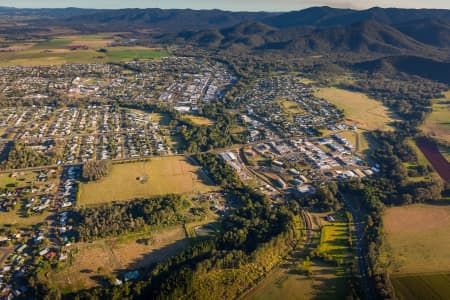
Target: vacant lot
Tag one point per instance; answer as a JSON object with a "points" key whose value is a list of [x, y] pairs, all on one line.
{"points": [[161, 175], [114, 256], [359, 109], [15, 218], [200, 121], [437, 124], [419, 238]]}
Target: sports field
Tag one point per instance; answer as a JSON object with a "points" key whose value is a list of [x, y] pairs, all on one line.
{"points": [[161, 175], [94, 260], [437, 124], [291, 107], [359, 109], [74, 49]]}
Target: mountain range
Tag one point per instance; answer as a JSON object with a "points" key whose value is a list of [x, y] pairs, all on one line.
{"points": [[407, 36]]}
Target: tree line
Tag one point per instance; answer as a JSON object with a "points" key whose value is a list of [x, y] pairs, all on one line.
{"points": [[92, 223], [93, 170], [255, 236]]}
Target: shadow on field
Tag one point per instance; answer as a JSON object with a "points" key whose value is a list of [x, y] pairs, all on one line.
{"points": [[146, 261]]}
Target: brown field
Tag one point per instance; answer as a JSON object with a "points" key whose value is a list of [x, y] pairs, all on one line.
{"points": [[163, 175], [284, 284], [113, 256], [435, 157], [198, 120], [14, 218], [359, 109], [418, 238]]}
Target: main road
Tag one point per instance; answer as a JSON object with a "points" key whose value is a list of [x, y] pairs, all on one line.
{"points": [[363, 264]]}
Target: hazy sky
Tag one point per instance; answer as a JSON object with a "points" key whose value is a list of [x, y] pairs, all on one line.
{"points": [[254, 5]]}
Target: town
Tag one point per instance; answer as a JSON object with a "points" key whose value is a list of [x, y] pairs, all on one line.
{"points": [[45, 144]]}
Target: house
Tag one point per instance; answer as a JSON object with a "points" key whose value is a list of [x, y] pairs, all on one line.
{"points": [[50, 255], [330, 218]]}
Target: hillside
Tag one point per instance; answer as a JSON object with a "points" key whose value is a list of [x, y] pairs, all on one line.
{"points": [[364, 37], [327, 16], [158, 20], [412, 65], [431, 31]]}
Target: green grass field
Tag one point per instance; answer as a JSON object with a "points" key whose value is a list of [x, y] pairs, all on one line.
{"points": [[54, 43], [421, 161], [418, 238], [163, 175], [291, 107], [437, 124], [422, 286], [360, 110], [445, 150], [419, 244], [326, 281], [13, 218], [75, 49]]}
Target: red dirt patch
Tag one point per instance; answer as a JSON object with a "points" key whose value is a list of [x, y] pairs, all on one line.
{"points": [[431, 152]]}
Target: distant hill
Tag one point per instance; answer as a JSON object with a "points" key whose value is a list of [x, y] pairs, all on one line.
{"points": [[177, 20], [323, 30], [363, 37], [411, 65], [161, 20], [327, 16]]}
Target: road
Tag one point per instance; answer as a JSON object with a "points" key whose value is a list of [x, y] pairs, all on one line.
{"points": [[363, 265], [217, 150]]}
